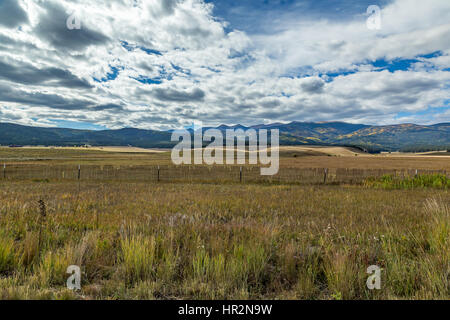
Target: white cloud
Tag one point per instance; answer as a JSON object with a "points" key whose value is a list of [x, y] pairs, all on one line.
{"points": [[204, 71]]}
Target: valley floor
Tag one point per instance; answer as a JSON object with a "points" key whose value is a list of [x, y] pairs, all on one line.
{"points": [[213, 241], [137, 238]]}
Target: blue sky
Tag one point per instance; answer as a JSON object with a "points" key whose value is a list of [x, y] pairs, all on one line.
{"points": [[262, 16], [165, 64], [77, 125]]}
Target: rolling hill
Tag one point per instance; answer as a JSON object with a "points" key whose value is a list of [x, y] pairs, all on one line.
{"points": [[403, 137]]}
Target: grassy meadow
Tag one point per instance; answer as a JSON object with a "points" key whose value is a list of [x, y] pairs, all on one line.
{"points": [[214, 240]]}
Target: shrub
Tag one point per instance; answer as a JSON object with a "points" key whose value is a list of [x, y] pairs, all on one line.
{"points": [[437, 181]]}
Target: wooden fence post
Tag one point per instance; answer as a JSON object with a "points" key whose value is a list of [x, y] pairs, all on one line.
{"points": [[417, 172], [4, 171], [240, 174], [79, 178], [325, 174], [158, 174]]}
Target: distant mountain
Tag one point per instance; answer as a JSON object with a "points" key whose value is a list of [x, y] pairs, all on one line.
{"points": [[24, 135], [404, 137]]}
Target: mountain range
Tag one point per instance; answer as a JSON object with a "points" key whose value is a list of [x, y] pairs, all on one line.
{"points": [[401, 137]]}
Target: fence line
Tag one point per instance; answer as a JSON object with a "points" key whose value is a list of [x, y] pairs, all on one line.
{"points": [[141, 173]]}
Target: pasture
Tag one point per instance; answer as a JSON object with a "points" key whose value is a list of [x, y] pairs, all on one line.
{"points": [[202, 233]]}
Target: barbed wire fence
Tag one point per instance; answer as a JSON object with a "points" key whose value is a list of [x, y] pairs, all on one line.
{"points": [[185, 173]]}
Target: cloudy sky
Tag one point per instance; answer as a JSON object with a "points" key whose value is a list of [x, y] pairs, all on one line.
{"points": [[159, 64]]}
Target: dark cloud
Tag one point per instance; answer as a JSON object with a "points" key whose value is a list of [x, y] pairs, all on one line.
{"points": [[400, 100], [145, 66], [108, 106], [11, 14], [53, 101], [313, 86], [271, 103], [337, 45], [19, 72], [8, 94], [8, 44], [398, 88], [7, 116], [178, 96], [254, 95], [3, 45], [244, 106], [273, 114], [53, 28], [195, 32], [168, 6], [183, 111], [4, 40], [412, 85]]}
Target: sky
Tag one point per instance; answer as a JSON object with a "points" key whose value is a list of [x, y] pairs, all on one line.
{"points": [[162, 64]]}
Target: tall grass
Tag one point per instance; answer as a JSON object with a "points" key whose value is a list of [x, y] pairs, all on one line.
{"points": [[438, 181], [7, 254], [439, 233], [139, 257], [213, 241]]}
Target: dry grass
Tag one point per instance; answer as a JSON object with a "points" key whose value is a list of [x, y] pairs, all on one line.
{"points": [[290, 157], [213, 241], [135, 238]]}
